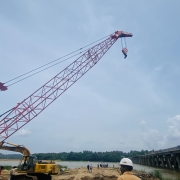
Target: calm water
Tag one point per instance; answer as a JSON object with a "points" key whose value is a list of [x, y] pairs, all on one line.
{"points": [[73, 165]]}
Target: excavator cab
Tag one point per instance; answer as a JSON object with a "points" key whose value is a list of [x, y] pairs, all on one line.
{"points": [[27, 163]]}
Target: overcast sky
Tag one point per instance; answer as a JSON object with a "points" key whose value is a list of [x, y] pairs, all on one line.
{"points": [[120, 104]]}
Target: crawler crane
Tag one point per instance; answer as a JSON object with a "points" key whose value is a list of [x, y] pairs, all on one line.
{"points": [[32, 106]]}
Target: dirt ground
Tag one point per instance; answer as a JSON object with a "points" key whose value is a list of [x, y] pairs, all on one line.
{"points": [[83, 174]]}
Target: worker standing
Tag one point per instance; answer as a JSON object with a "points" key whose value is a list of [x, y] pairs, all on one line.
{"points": [[1, 168], [90, 168], [126, 167], [12, 171]]}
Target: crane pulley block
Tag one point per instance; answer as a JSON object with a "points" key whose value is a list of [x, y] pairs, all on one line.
{"points": [[2, 87], [120, 34]]}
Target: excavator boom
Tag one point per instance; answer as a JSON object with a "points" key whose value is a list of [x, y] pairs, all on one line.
{"points": [[16, 148]]}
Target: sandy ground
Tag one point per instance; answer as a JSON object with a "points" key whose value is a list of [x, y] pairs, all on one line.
{"points": [[83, 174]]}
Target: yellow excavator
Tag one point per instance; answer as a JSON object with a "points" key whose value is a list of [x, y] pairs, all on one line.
{"points": [[29, 167]]}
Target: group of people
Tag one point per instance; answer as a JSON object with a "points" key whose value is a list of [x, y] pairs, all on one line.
{"points": [[104, 165], [126, 167]]}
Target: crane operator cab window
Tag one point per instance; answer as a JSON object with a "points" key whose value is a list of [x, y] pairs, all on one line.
{"points": [[31, 163], [24, 164], [27, 163]]}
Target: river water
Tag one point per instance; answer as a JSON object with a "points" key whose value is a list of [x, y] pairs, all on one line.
{"points": [[79, 164]]}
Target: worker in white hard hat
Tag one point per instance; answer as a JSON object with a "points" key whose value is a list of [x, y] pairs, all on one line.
{"points": [[126, 167]]}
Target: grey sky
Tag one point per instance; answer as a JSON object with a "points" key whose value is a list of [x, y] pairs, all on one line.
{"points": [[130, 104]]}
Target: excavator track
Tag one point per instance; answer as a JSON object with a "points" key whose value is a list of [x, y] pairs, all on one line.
{"points": [[31, 177], [23, 177], [41, 176]]}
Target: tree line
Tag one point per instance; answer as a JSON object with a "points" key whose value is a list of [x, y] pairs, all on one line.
{"points": [[112, 156], [10, 156]]}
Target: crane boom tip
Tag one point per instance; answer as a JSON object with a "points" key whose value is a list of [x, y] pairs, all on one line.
{"points": [[120, 34]]}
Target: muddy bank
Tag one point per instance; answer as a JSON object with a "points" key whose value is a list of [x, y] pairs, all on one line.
{"points": [[83, 174], [98, 174]]}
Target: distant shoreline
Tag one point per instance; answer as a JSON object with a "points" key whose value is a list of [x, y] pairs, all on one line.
{"points": [[9, 159], [19, 160]]}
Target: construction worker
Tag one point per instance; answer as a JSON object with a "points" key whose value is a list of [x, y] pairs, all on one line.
{"points": [[13, 171], [126, 167], [90, 168], [1, 168]]}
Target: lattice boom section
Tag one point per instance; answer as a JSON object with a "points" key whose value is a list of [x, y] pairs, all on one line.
{"points": [[44, 96]]}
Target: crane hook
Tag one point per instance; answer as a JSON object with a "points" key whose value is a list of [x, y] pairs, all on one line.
{"points": [[124, 51]]}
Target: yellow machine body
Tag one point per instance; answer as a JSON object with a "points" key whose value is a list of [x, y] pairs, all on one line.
{"points": [[29, 167]]}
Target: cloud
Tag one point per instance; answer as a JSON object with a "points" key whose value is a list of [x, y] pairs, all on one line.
{"points": [[154, 139], [24, 133], [174, 127], [158, 68], [143, 123], [122, 142]]}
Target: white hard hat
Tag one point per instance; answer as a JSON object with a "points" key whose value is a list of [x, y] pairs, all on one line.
{"points": [[126, 161]]}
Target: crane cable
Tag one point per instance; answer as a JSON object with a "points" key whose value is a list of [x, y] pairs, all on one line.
{"points": [[47, 68], [124, 42], [42, 69], [50, 63]]}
